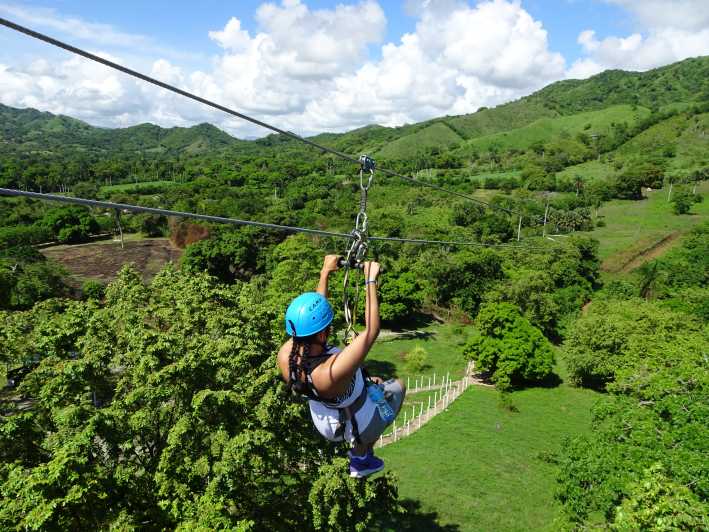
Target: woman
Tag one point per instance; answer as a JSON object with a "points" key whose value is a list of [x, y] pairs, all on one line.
{"points": [[334, 379]]}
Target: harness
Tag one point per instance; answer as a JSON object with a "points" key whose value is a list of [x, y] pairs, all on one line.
{"points": [[345, 413]]}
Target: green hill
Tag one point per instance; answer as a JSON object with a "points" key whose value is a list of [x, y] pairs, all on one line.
{"points": [[567, 108], [676, 85], [544, 129], [436, 136], [32, 131], [684, 81]]}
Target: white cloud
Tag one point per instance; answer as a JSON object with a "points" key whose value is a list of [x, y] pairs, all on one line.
{"points": [[304, 70], [458, 59], [690, 15], [670, 31], [104, 34]]}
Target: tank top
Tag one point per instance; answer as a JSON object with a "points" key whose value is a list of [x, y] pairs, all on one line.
{"points": [[326, 416]]}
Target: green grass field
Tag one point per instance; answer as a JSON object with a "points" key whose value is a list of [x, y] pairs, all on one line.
{"points": [[134, 187], [546, 129], [479, 466], [634, 226], [443, 343], [437, 135], [589, 171]]}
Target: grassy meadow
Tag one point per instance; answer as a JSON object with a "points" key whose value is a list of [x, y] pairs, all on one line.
{"points": [[443, 345], [481, 466], [592, 122], [632, 227], [478, 465]]}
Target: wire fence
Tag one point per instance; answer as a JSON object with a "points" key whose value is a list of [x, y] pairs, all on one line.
{"points": [[410, 419]]}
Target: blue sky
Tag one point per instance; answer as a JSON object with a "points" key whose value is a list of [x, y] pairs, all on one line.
{"points": [[185, 26], [314, 65]]}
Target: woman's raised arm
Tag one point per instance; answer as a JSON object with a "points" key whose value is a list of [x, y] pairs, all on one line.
{"points": [[344, 365]]}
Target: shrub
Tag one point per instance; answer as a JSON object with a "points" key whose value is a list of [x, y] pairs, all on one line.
{"points": [[23, 236], [509, 348], [92, 290], [70, 225], [644, 463], [657, 503], [416, 359], [682, 202]]}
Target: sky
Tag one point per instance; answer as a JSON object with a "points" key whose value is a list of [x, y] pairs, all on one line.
{"points": [[319, 65]]}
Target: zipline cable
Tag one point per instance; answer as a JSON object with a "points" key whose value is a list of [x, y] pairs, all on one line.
{"points": [[450, 243], [165, 212], [235, 221], [88, 55]]}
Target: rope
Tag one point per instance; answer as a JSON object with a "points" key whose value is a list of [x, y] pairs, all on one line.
{"points": [[181, 92]]}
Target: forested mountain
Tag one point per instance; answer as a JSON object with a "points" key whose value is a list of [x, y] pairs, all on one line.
{"points": [[25, 131], [684, 82]]}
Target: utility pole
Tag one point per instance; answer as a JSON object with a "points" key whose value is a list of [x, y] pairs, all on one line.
{"points": [[595, 136], [519, 228], [546, 212], [669, 194]]}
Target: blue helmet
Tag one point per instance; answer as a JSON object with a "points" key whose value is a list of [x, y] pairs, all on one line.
{"points": [[309, 313]]}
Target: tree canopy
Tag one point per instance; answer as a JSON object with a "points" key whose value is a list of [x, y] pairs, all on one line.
{"points": [[163, 409]]}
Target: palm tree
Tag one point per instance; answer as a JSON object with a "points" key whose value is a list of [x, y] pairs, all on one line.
{"points": [[649, 277]]}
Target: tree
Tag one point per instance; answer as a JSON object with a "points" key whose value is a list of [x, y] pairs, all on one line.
{"points": [[70, 225], [613, 335], [163, 410], [229, 254], [643, 465], [467, 213], [645, 174], [400, 296], [509, 348], [92, 290], [416, 359], [460, 279], [682, 202], [655, 502]]}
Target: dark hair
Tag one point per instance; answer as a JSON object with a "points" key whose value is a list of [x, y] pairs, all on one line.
{"points": [[295, 369]]}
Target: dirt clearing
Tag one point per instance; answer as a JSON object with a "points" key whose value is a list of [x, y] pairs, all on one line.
{"points": [[101, 261]]}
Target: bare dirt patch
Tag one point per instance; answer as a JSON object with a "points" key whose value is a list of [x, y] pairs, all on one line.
{"points": [[184, 233], [635, 259], [102, 261]]}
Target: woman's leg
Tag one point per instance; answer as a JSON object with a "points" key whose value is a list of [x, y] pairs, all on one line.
{"points": [[394, 391]]}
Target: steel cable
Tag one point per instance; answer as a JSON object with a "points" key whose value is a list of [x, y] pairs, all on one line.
{"points": [[186, 94], [165, 212], [235, 221]]}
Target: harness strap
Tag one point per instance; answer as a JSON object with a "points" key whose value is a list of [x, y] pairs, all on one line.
{"points": [[348, 413]]}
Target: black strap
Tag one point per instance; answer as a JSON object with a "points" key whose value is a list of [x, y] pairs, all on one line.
{"points": [[306, 389], [349, 413]]}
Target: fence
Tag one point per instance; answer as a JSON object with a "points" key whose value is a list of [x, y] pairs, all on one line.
{"points": [[445, 392]]}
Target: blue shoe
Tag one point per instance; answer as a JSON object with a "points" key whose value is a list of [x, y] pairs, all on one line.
{"points": [[361, 466]]}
